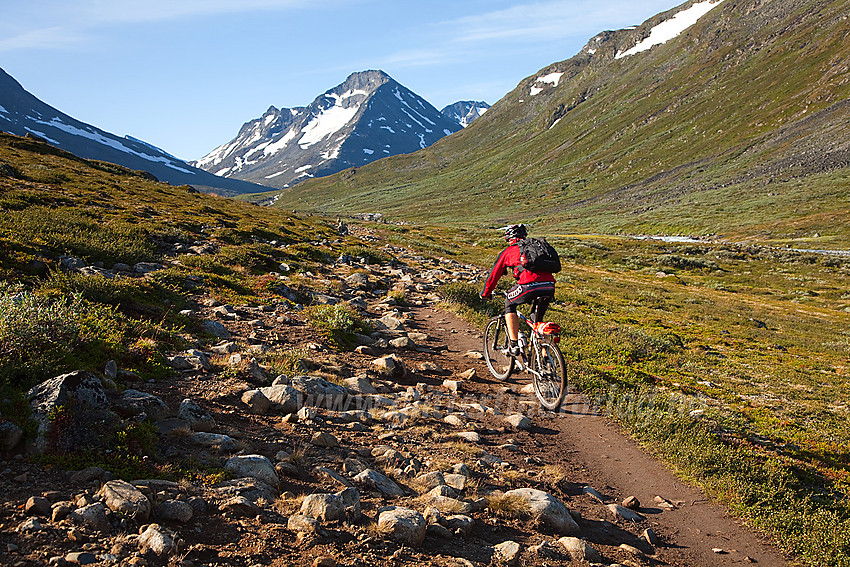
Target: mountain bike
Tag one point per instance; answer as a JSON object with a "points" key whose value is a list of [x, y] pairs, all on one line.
{"points": [[540, 357]]}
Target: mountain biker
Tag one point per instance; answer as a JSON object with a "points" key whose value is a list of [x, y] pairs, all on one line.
{"points": [[529, 286]]}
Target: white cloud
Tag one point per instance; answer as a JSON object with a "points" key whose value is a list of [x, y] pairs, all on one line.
{"points": [[545, 21], [110, 11], [55, 37]]}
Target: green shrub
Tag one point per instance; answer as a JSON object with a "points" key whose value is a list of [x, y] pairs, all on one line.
{"points": [[36, 333], [338, 323]]}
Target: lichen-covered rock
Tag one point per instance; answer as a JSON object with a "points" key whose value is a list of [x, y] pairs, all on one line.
{"points": [[402, 525], [253, 466], [156, 540], [121, 496], [197, 417], [547, 509]]}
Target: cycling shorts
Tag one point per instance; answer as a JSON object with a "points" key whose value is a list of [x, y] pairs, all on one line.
{"points": [[526, 293]]}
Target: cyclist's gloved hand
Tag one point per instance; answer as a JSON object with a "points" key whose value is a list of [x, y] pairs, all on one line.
{"points": [[485, 295]]}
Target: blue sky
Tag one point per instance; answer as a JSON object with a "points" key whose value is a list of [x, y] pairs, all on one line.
{"points": [[186, 74]]}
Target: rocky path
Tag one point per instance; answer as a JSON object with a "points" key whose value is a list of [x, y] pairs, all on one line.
{"points": [[403, 451]]}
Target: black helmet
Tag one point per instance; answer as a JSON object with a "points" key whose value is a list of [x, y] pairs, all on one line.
{"points": [[517, 231]]}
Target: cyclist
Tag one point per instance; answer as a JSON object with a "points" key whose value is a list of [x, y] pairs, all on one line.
{"points": [[529, 285]]}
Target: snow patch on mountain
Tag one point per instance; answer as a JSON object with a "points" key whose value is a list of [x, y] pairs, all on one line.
{"points": [[668, 29]]}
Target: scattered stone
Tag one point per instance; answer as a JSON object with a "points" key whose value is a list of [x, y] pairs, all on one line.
{"points": [[325, 507], [579, 550], [81, 558], [360, 385], [331, 474], [257, 401], [438, 530], [284, 398], [306, 414], [239, 506], [390, 365], [452, 386], [473, 354], [299, 523], [459, 524], [60, 511], [631, 550], [428, 481], [37, 506], [649, 537], [454, 420], [547, 509], [507, 552], [401, 343], [214, 440], [402, 525], [324, 439], [216, 329], [632, 503], [174, 511], [93, 515], [253, 466], [624, 513], [469, 436], [156, 540], [379, 482], [662, 502], [133, 403], [519, 421], [197, 417], [456, 481], [467, 374], [122, 497], [30, 525]]}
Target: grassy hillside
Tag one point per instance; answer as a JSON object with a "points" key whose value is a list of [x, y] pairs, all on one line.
{"points": [[739, 126]]}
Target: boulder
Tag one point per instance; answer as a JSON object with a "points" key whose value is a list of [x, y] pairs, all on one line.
{"points": [[284, 398], [547, 509], [37, 506], [197, 417], [134, 403], [122, 497], [402, 525], [379, 482], [579, 550], [240, 506], [10, 436], [93, 516], [507, 552], [174, 511], [253, 466], [78, 388], [257, 401], [325, 507], [214, 440], [156, 540]]}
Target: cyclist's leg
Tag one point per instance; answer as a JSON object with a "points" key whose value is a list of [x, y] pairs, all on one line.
{"points": [[513, 298], [539, 307]]}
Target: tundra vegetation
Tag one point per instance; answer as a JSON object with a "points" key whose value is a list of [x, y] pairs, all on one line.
{"points": [[728, 361]]}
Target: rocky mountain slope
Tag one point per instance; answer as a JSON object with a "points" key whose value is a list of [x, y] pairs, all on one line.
{"points": [[464, 112], [367, 117], [739, 124], [21, 113]]}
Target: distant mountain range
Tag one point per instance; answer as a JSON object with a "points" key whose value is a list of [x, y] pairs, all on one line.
{"points": [[712, 117], [465, 112], [23, 114], [367, 117]]}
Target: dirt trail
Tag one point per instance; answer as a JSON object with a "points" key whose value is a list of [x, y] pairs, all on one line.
{"points": [[597, 454]]}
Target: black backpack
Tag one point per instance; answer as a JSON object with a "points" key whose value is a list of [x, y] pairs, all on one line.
{"points": [[537, 255]]}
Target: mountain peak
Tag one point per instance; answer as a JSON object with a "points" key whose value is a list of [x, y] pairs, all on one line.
{"points": [[366, 117]]}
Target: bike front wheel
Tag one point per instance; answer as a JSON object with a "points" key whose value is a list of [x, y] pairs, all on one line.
{"points": [[496, 342], [551, 384]]}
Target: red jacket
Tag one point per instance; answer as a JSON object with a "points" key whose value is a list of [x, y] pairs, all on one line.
{"points": [[509, 258]]}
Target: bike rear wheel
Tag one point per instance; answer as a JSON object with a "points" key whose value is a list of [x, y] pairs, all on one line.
{"points": [[551, 386], [496, 341]]}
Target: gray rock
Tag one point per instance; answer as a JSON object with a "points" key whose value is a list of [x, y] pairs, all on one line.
{"points": [[580, 550], [156, 540], [214, 440], [632, 503], [306, 414], [469, 436], [228, 347], [216, 329], [257, 401], [428, 481], [253, 466], [30, 525], [93, 515], [81, 558], [624, 513], [324, 439], [438, 530], [332, 475], [174, 511], [10, 435], [122, 497], [449, 505], [284, 398], [325, 507], [507, 552], [548, 510], [240, 507], [379, 482], [402, 525], [299, 523], [459, 524], [197, 417], [519, 421], [111, 370], [37, 506], [456, 481], [60, 511], [391, 366], [147, 267], [360, 385], [79, 387], [133, 402]]}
